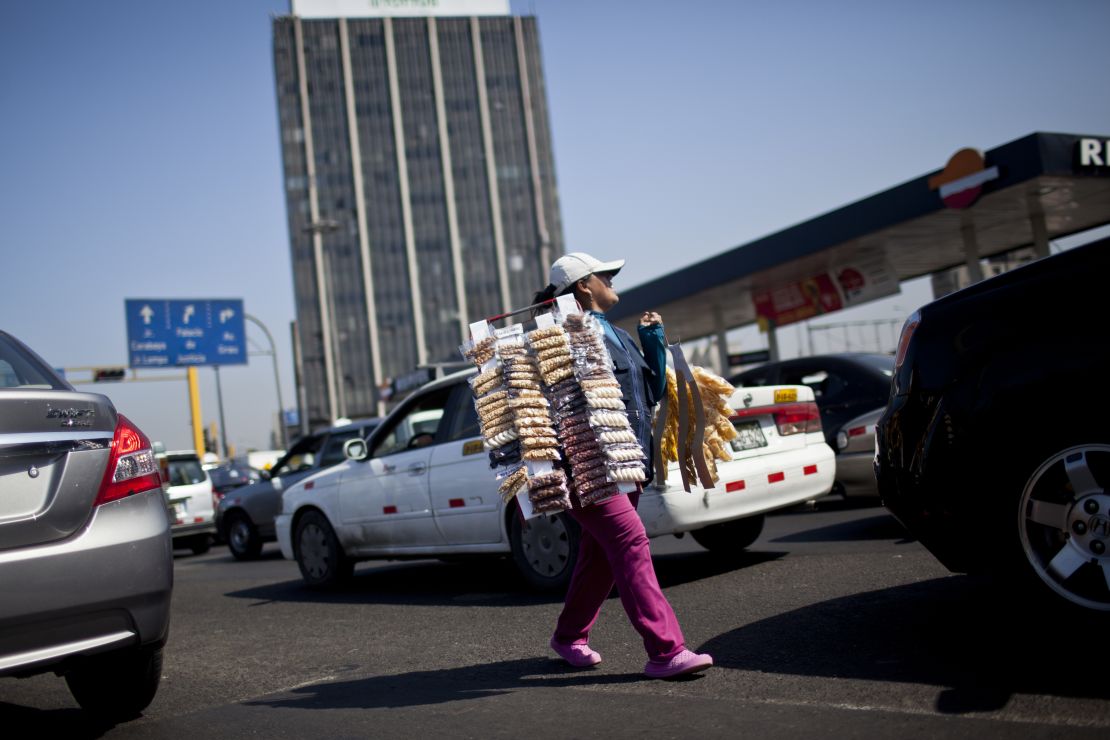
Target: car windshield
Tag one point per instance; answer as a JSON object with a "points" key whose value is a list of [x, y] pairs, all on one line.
{"points": [[186, 472], [301, 456], [19, 369]]}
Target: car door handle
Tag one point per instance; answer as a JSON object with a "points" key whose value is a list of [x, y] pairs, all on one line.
{"points": [[417, 468]]}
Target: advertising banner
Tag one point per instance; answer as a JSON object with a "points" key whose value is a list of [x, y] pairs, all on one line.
{"points": [[798, 301], [865, 279]]}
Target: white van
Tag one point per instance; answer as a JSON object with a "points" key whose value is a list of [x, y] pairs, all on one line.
{"points": [[190, 501]]}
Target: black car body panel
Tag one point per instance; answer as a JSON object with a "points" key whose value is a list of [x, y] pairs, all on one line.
{"points": [[990, 373]]}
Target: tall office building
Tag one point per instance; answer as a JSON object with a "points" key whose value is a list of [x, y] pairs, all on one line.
{"points": [[420, 184]]}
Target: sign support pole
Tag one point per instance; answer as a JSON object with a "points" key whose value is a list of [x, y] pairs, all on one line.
{"points": [[220, 401], [194, 406]]}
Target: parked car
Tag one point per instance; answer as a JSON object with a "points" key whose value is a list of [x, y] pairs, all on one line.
{"points": [[191, 500], [994, 450], [845, 386], [403, 495], [86, 569], [855, 456], [245, 518]]}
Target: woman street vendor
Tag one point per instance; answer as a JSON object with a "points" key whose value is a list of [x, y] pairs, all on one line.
{"points": [[614, 546]]}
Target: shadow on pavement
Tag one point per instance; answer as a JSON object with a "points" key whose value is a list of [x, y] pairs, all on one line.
{"points": [[957, 632], [19, 722], [478, 582], [423, 688], [878, 527], [221, 556]]}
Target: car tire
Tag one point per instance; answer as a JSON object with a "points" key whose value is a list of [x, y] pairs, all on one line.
{"points": [[544, 549], [242, 537], [119, 685], [1063, 524], [730, 538], [318, 552]]}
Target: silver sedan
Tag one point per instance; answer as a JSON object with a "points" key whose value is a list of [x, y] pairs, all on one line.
{"points": [[86, 567]]}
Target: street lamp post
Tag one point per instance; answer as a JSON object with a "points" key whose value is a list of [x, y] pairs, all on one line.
{"points": [[277, 379]]}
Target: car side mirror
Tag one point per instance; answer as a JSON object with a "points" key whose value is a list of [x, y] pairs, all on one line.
{"points": [[356, 449]]}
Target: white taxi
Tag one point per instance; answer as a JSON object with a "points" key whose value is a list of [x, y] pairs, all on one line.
{"points": [[422, 486]]}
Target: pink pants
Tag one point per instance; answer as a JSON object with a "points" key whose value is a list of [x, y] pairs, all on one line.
{"points": [[614, 549]]}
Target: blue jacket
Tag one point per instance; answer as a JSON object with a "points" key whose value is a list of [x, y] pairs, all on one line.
{"points": [[641, 383]]}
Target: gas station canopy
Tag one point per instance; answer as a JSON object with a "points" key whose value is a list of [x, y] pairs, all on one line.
{"points": [[1024, 193]]}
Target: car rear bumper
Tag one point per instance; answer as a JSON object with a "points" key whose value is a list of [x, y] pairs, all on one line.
{"points": [[930, 500], [107, 587], [806, 473]]}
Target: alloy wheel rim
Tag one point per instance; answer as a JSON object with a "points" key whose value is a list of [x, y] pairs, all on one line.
{"points": [[546, 545], [1065, 524], [314, 550], [239, 535]]}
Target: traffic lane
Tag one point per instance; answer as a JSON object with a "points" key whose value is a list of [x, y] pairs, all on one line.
{"points": [[877, 647], [792, 627]]}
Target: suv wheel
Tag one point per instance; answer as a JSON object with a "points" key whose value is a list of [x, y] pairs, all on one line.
{"points": [[1064, 524], [118, 685], [200, 544], [318, 552], [242, 537], [730, 538], [544, 549]]}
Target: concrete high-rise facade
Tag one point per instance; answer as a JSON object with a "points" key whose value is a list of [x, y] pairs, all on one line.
{"points": [[420, 184]]}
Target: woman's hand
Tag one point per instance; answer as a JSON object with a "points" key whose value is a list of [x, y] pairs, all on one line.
{"points": [[650, 318]]}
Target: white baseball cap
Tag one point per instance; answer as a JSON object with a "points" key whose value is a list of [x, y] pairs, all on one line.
{"points": [[570, 268]]}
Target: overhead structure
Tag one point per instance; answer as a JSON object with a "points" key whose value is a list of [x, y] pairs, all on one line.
{"points": [[1024, 193]]}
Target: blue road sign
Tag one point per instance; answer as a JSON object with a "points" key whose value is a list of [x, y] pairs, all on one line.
{"points": [[178, 333]]}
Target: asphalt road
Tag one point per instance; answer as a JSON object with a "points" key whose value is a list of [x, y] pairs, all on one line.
{"points": [[833, 625]]}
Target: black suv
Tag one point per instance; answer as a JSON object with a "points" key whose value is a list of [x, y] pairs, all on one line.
{"points": [[994, 450]]}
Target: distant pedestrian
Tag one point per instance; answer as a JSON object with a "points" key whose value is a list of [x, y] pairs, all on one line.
{"points": [[614, 545]]}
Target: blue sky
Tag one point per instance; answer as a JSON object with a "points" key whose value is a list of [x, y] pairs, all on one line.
{"points": [[140, 157]]}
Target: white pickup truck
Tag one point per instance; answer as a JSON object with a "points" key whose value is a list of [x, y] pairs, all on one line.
{"points": [[427, 490]]}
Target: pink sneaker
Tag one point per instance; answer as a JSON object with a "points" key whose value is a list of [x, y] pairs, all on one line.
{"points": [[579, 656], [681, 664]]}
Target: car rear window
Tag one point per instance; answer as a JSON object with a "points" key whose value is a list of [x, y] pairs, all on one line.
{"points": [[20, 369], [186, 472]]}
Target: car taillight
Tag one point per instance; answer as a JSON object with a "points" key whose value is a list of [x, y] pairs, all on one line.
{"points": [[796, 418], [790, 418], [908, 329], [131, 465]]}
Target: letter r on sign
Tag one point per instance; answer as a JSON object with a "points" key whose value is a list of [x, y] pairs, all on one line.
{"points": [[1089, 153]]}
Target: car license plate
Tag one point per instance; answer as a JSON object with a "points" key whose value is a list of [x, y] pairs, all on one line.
{"points": [[749, 436], [179, 511]]}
